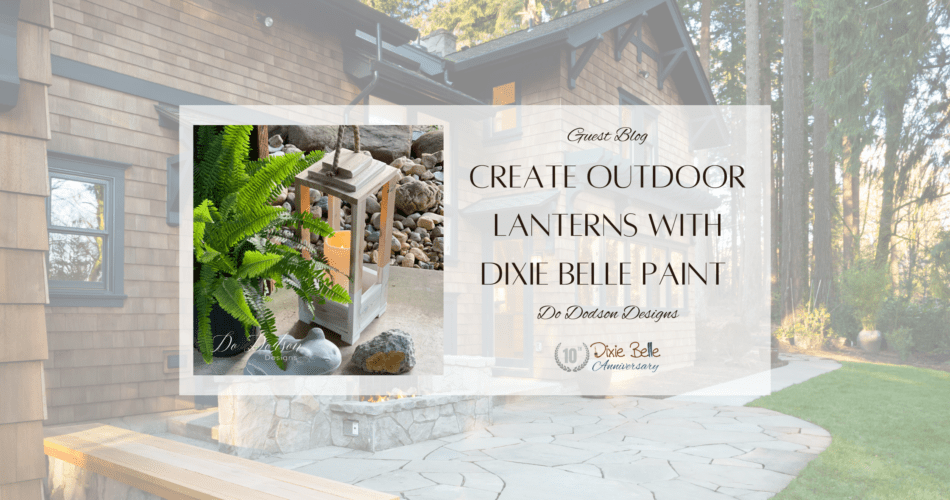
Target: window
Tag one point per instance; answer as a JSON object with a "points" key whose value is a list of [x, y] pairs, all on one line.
{"points": [[643, 119], [507, 120], [85, 218], [597, 250]]}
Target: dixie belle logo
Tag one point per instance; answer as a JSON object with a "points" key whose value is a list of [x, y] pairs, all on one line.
{"points": [[567, 358]]}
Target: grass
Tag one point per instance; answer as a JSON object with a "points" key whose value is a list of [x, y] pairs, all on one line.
{"points": [[890, 427]]}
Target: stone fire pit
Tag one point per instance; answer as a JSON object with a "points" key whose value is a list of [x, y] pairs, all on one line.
{"points": [[399, 422], [253, 426]]}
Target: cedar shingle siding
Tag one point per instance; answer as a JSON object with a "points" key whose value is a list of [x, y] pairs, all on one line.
{"points": [[108, 362]]}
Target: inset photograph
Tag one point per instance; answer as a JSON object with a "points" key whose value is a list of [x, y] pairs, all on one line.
{"points": [[318, 250]]}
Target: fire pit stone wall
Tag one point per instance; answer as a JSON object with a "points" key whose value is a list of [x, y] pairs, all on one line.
{"points": [[253, 426], [400, 422]]}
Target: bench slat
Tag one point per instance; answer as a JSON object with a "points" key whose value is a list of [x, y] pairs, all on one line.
{"points": [[179, 471]]}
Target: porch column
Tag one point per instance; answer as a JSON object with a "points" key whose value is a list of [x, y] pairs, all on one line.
{"points": [[24, 187]]}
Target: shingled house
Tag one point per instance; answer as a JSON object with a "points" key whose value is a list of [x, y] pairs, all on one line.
{"points": [[88, 98]]}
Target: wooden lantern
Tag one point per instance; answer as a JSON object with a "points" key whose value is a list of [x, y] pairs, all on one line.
{"points": [[356, 177]]}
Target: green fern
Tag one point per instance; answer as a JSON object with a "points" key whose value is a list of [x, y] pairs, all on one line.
{"points": [[238, 240]]}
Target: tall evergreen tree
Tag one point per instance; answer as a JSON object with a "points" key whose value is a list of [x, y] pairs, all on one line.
{"points": [[793, 272]]}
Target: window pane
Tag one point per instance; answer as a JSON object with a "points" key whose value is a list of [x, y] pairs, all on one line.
{"points": [[637, 288], [503, 95], [77, 204], [589, 252], [75, 257], [615, 250], [678, 295]]}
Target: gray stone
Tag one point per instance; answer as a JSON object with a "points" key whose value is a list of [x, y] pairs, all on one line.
{"points": [[275, 141], [401, 237], [429, 220], [416, 196], [372, 206], [443, 491], [385, 143], [282, 197], [445, 426], [431, 160], [391, 352], [428, 143], [293, 436], [549, 455], [372, 236], [375, 220], [419, 255], [351, 470], [395, 245], [420, 431], [312, 355], [788, 462], [640, 471], [439, 176], [414, 169]]}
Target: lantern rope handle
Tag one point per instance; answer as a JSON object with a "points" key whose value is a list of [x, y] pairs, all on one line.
{"points": [[339, 144]]}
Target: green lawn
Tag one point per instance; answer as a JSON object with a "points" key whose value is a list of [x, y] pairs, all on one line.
{"points": [[890, 427]]}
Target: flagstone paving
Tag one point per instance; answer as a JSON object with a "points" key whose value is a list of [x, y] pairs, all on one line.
{"points": [[698, 447], [571, 447]]}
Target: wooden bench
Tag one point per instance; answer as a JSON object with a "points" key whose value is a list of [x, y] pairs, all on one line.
{"points": [[175, 470]]}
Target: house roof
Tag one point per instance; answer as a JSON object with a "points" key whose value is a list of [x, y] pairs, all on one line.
{"points": [[579, 28], [528, 38]]}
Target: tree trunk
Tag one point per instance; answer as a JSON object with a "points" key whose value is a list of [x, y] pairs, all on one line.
{"points": [[850, 200], [824, 261], [705, 15], [752, 70], [894, 119], [793, 272]]}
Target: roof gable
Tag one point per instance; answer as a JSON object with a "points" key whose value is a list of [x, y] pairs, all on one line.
{"points": [[676, 56]]}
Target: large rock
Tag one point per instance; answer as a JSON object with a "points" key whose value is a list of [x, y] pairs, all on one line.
{"points": [[390, 353], [311, 355], [428, 143], [385, 142], [416, 196]]}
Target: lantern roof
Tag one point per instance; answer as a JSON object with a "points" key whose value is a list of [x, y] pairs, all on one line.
{"points": [[357, 176]]}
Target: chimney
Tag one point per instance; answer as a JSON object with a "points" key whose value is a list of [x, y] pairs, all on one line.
{"points": [[440, 42]]}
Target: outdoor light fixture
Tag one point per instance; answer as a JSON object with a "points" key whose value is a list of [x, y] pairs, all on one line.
{"points": [[267, 21], [354, 178], [644, 73]]}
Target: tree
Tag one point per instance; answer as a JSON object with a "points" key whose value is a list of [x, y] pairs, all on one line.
{"points": [[478, 21], [706, 10], [793, 266], [822, 278]]}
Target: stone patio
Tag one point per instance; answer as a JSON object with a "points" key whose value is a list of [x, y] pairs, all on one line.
{"points": [[562, 447], [696, 446]]}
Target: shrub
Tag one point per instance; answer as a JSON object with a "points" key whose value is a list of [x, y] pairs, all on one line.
{"points": [[864, 288], [928, 322], [844, 323], [902, 341], [809, 327]]}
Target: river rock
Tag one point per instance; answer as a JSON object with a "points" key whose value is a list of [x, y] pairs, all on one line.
{"points": [[428, 143], [416, 196], [429, 220], [390, 353], [372, 206]]}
